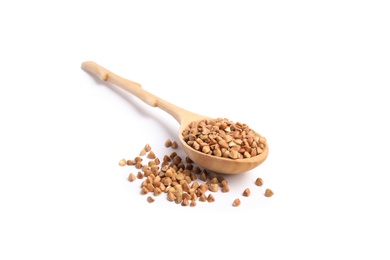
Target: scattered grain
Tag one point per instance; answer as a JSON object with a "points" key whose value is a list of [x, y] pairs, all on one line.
{"points": [[130, 162], [147, 173], [236, 202], [174, 145], [196, 169], [185, 202], [147, 148], [213, 187], [166, 158], [178, 200], [225, 189], [246, 192], [210, 198], [177, 159], [168, 143], [157, 161], [214, 180], [144, 190], [203, 188], [122, 162], [203, 176], [150, 187], [172, 155], [268, 193], [157, 191], [193, 203], [170, 196], [138, 165], [224, 183], [151, 155], [131, 177], [177, 177], [259, 182], [203, 197]]}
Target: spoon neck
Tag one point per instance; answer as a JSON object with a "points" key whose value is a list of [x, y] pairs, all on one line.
{"points": [[181, 115]]}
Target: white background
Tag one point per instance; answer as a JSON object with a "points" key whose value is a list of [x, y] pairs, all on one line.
{"points": [[311, 76]]}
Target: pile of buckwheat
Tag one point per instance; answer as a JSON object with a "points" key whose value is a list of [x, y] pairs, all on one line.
{"points": [[223, 138], [182, 181]]}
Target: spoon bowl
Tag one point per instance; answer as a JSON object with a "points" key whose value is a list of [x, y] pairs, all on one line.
{"points": [[184, 118]]}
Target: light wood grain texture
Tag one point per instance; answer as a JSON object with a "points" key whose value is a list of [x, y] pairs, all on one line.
{"points": [[183, 117]]}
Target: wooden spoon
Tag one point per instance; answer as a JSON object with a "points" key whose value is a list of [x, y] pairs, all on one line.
{"points": [[184, 118]]}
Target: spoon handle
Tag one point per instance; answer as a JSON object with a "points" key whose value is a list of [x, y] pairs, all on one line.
{"points": [[181, 115]]}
